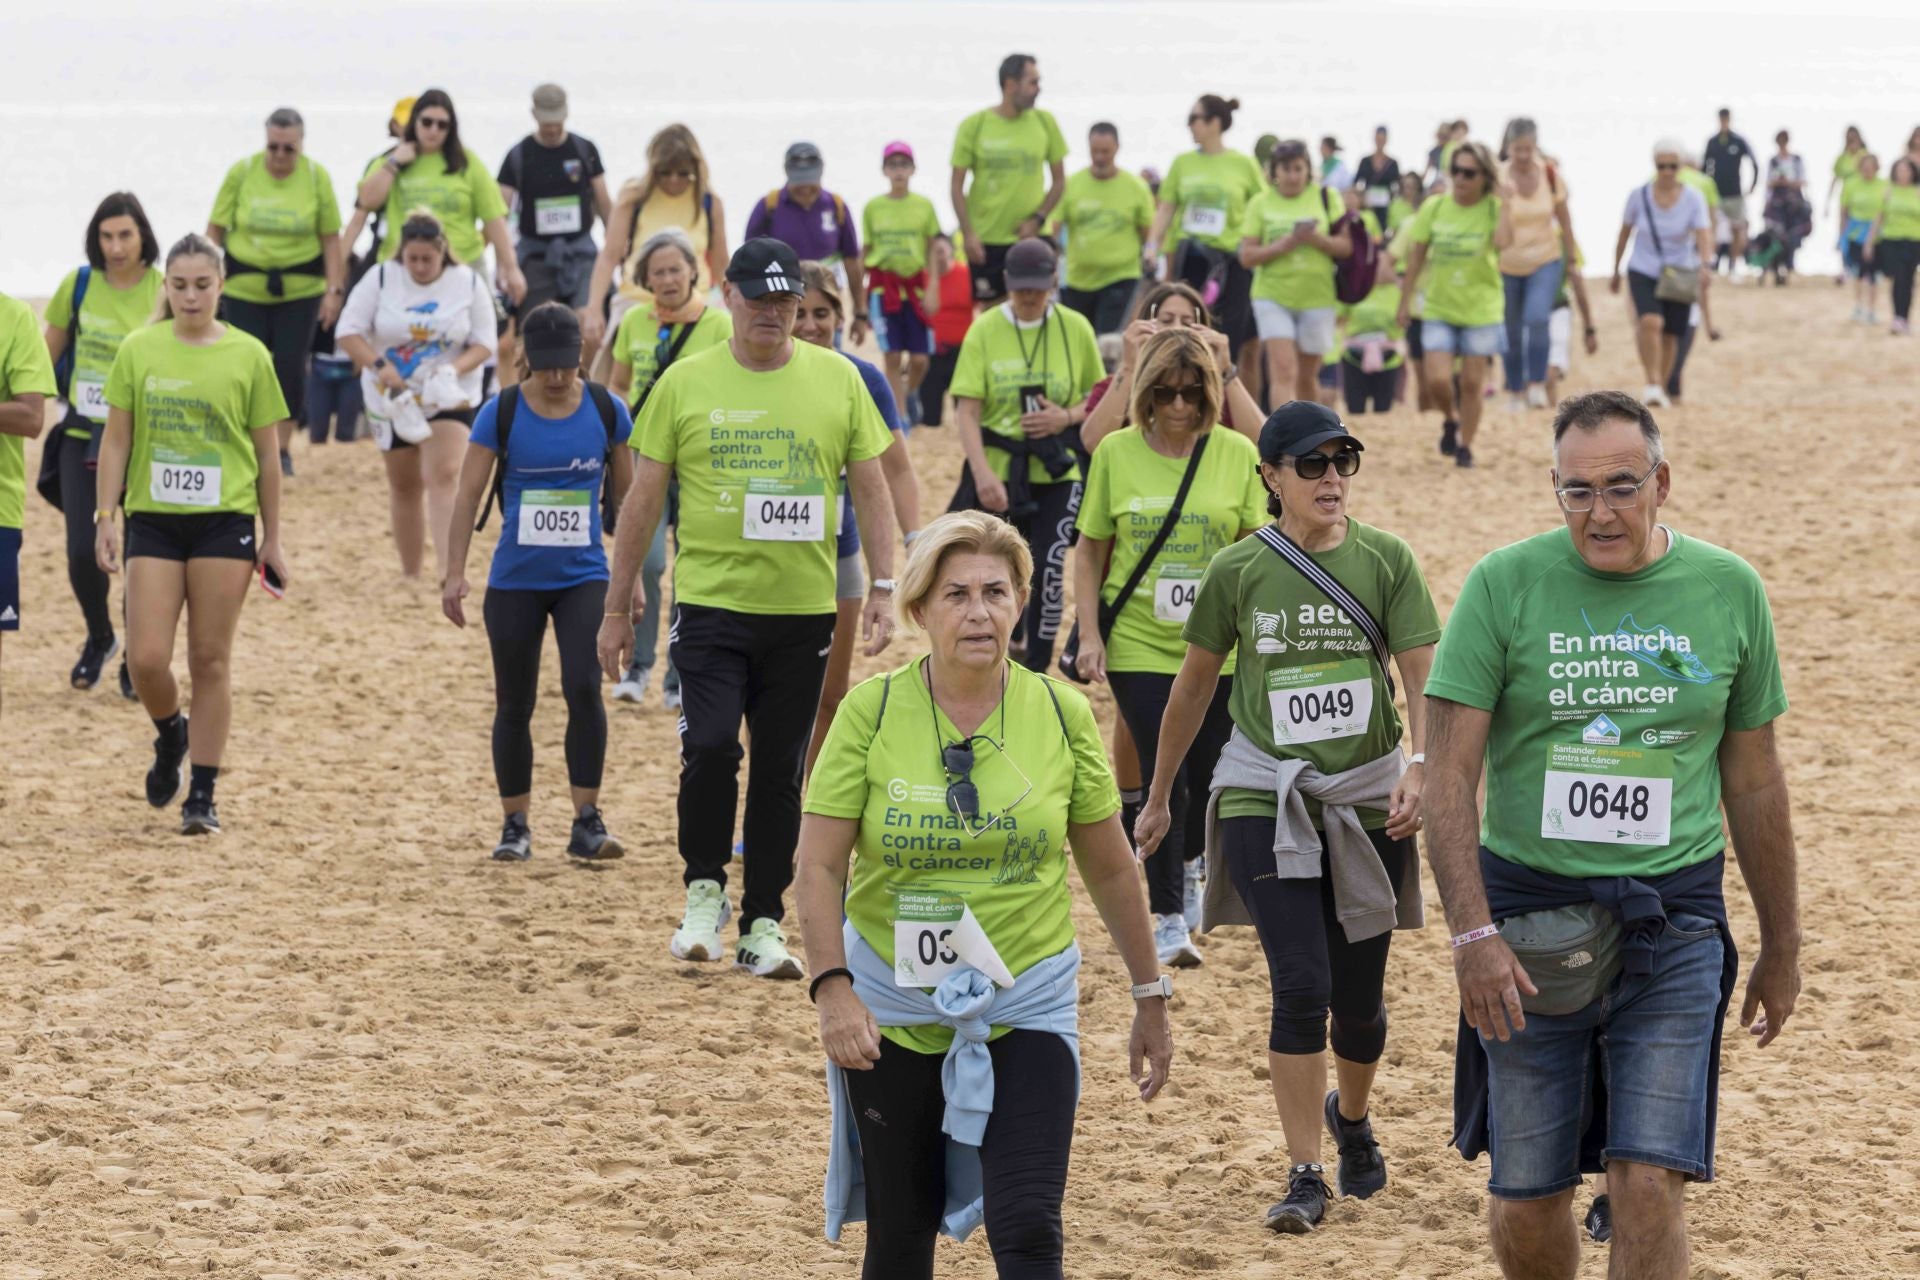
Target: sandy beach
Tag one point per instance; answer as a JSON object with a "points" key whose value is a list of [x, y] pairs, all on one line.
{"points": [[337, 1041]]}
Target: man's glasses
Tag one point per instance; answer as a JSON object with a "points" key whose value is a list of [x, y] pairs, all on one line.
{"points": [[1193, 393], [1312, 466], [963, 798], [1620, 497], [432, 122]]}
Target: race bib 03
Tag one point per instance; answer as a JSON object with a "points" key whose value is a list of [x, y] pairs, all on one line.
{"points": [[784, 511], [1607, 795], [936, 933], [1322, 701], [556, 518]]}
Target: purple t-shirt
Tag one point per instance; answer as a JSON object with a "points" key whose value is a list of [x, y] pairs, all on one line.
{"points": [[823, 233]]}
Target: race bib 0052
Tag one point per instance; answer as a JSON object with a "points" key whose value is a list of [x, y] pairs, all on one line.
{"points": [[1608, 795], [556, 518], [1323, 701]]}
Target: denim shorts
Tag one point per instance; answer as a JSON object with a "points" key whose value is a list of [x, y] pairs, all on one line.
{"points": [[1462, 339], [1652, 1040], [1310, 330]]}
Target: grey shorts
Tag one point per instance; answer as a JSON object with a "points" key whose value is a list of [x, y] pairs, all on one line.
{"points": [[1734, 207], [849, 579], [543, 285]]}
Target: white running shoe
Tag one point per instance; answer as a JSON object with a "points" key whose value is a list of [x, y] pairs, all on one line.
{"points": [[670, 698], [1516, 403], [1195, 894], [1653, 396], [1173, 944], [1537, 397], [633, 685], [698, 937], [763, 952]]}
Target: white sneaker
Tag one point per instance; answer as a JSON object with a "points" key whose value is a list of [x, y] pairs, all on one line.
{"points": [[1173, 944], [1653, 396], [763, 952], [633, 685], [698, 937], [1536, 397], [670, 698], [1516, 403], [1195, 895]]}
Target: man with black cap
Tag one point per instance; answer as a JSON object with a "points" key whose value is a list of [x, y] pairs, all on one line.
{"points": [[1310, 831], [758, 431], [815, 224]]}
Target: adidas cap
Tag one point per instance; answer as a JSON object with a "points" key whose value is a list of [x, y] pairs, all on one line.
{"points": [[764, 265]]}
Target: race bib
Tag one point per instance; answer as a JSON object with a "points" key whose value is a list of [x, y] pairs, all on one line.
{"points": [[934, 934], [90, 399], [1204, 220], [1174, 592], [556, 518], [784, 511], [182, 481], [1607, 795], [1379, 197], [1323, 701], [557, 215]]}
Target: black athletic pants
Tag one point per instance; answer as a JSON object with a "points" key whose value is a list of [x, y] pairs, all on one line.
{"points": [[77, 500], [1106, 307], [1049, 532], [1023, 1159], [516, 628], [287, 330], [1142, 699], [767, 668], [1896, 259], [933, 387], [1313, 969], [1379, 388], [1682, 345]]}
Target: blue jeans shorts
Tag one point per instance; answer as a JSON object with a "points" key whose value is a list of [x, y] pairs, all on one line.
{"points": [[1654, 1042], [1463, 340], [899, 331]]}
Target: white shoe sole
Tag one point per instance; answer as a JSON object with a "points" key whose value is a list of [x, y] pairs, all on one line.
{"points": [[696, 949], [788, 969], [626, 691], [1183, 957]]}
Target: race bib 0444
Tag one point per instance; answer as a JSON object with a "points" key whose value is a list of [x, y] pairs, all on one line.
{"points": [[1608, 795], [1322, 701], [784, 511]]}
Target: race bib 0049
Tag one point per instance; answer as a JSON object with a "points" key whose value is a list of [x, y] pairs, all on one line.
{"points": [[1322, 701], [784, 511], [1609, 795]]}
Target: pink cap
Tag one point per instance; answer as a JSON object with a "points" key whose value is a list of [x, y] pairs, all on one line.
{"points": [[893, 149]]}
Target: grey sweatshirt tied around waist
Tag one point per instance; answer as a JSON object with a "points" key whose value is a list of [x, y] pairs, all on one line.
{"points": [[1362, 894]]}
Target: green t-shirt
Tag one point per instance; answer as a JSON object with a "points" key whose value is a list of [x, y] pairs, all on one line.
{"points": [[1846, 164], [1378, 312], [1609, 694], [759, 457], [1043, 767], [1699, 181], [1400, 249], [896, 232], [1902, 206], [462, 201], [1462, 283], [276, 222], [1307, 684], [1303, 279], [638, 341], [1107, 221], [1009, 159], [25, 368], [1129, 490], [998, 358], [194, 409], [1398, 211], [107, 316], [1863, 199], [1209, 194]]}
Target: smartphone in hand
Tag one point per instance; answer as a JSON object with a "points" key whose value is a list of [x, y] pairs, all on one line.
{"points": [[270, 582]]}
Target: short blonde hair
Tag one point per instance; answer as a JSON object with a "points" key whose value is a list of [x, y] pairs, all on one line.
{"points": [[960, 533], [1162, 357]]}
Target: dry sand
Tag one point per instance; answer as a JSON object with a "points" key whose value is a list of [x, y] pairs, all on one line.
{"points": [[337, 1041]]}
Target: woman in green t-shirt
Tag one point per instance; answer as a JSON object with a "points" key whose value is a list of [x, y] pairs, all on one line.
{"points": [[193, 406], [90, 314], [1893, 245], [1313, 842], [1287, 241], [938, 820]]}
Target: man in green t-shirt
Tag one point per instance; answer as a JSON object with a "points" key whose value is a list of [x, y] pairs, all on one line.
{"points": [[1620, 681], [1006, 148], [758, 431], [1107, 214], [26, 380]]}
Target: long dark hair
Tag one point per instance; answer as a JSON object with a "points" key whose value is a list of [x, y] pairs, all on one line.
{"points": [[454, 154], [121, 204]]}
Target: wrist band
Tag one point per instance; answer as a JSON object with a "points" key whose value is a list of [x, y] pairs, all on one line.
{"points": [[1474, 935], [621, 614], [813, 988]]}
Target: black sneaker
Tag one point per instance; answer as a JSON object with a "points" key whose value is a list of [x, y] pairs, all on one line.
{"points": [[1362, 1171], [94, 658], [286, 463], [163, 780], [516, 843], [590, 841], [1449, 437], [198, 817], [126, 683], [1306, 1202], [1463, 457], [1600, 1220]]}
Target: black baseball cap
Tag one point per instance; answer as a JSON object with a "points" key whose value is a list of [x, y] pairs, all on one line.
{"points": [[764, 265], [1299, 427], [550, 337]]}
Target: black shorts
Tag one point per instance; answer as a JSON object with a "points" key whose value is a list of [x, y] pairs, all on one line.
{"points": [[990, 278], [1676, 317], [462, 416], [217, 535], [9, 579], [1415, 351]]}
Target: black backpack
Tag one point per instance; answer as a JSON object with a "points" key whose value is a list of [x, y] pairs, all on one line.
{"points": [[505, 407]]}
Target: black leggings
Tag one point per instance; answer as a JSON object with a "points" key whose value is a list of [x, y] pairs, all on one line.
{"points": [[78, 498], [516, 628], [1142, 699], [1314, 970], [1049, 532], [1896, 259], [286, 328], [898, 1107], [1379, 388]]}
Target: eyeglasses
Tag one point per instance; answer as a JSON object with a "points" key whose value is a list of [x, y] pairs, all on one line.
{"points": [[432, 122], [1666, 168], [963, 798], [284, 148], [1620, 497], [1193, 393], [1311, 466], [1459, 172]]}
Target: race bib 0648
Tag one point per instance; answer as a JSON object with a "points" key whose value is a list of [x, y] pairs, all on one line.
{"points": [[1608, 795], [1322, 701]]}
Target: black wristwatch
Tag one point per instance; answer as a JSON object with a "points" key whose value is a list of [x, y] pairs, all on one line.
{"points": [[379, 362]]}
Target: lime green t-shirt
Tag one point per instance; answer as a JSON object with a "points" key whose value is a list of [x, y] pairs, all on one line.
{"points": [[1130, 488], [1209, 195], [1402, 246], [107, 316], [1902, 213], [998, 358], [1009, 159], [895, 233], [1462, 282], [1378, 312], [1107, 221], [1039, 765], [194, 409], [1398, 211], [1846, 164], [25, 368], [1307, 684], [462, 201], [1699, 181], [1610, 694], [276, 222], [1863, 198], [759, 457], [1301, 280], [638, 341]]}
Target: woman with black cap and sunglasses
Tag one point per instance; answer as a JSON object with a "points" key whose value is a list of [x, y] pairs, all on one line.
{"points": [[1310, 829], [940, 812]]}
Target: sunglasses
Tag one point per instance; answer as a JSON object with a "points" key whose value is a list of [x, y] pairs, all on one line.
{"points": [[1193, 393], [283, 148], [1459, 172], [676, 173], [963, 798], [433, 122], [1314, 465]]}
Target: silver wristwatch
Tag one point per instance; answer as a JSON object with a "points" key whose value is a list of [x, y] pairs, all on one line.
{"points": [[1161, 986], [881, 584]]}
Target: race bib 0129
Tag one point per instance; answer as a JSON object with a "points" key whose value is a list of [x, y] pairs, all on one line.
{"points": [[556, 215], [182, 481], [784, 511], [1322, 701], [1607, 795], [556, 518]]}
